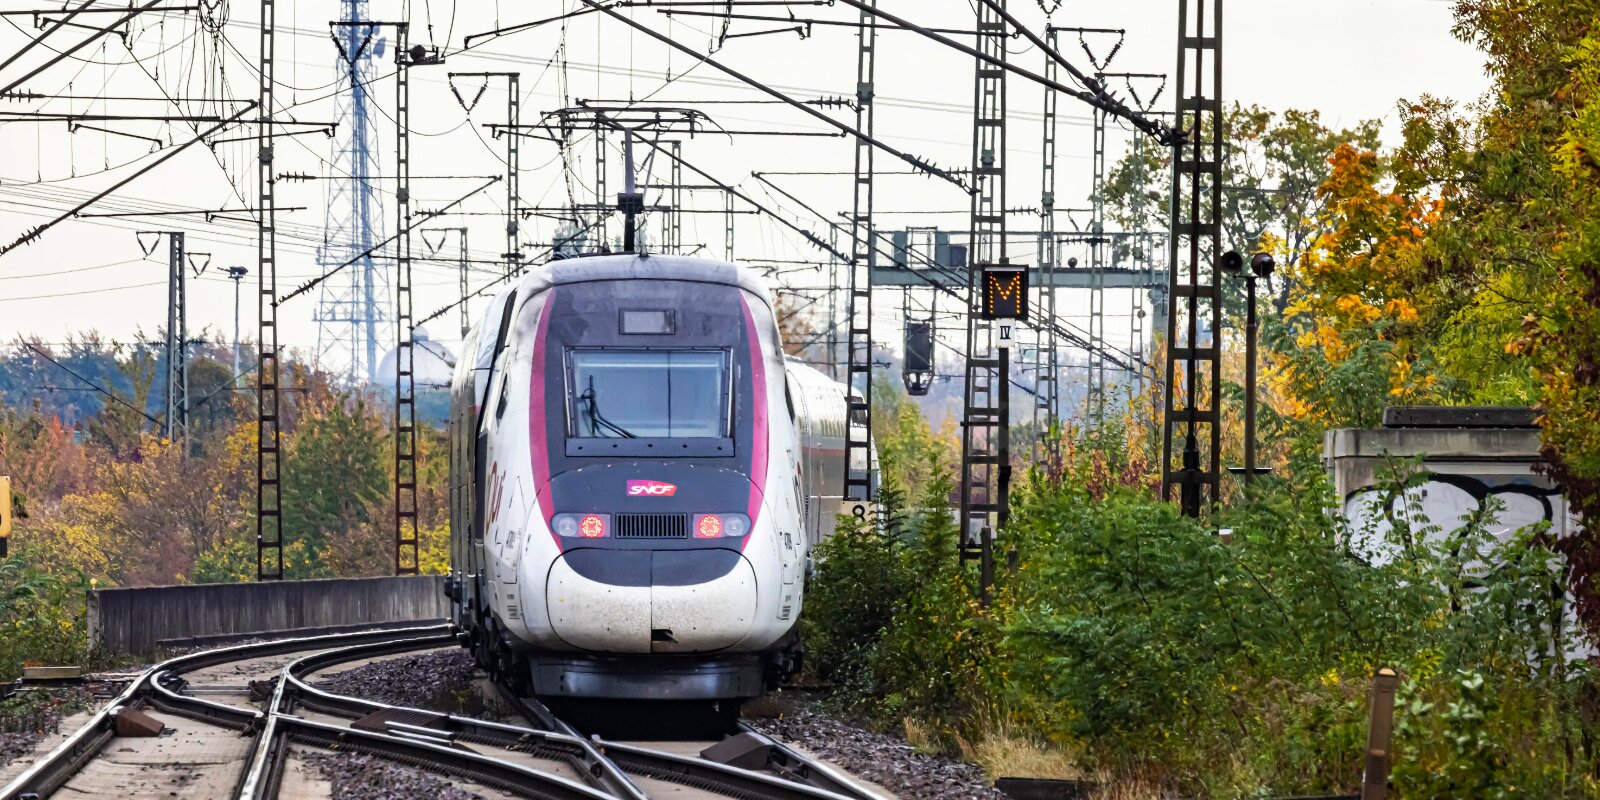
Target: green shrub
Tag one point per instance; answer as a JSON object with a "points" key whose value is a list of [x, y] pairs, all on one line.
{"points": [[42, 616], [1239, 666]]}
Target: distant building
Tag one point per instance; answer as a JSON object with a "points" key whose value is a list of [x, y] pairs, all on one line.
{"points": [[433, 364]]}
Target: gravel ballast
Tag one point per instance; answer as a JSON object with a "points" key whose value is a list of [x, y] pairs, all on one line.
{"points": [[439, 680], [28, 718], [442, 680], [883, 759]]}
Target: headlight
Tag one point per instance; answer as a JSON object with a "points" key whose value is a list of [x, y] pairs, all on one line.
{"points": [[721, 526], [582, 526]]}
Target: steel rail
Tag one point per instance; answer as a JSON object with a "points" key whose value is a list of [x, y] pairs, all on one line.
{"points": [[564, 745], [804, 779], [604, 765], [514, 778], [57, 767], [711, 776], [413, 746], [787, 761]]}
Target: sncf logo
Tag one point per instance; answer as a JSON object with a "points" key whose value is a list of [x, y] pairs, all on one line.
{"points": [[651, 489]]}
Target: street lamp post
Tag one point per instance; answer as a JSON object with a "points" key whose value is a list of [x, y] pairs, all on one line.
{"points": [[236, 274], [1261, 266]]}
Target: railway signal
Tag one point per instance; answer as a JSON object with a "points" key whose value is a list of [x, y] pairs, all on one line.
{"points": [[1005, 293]]}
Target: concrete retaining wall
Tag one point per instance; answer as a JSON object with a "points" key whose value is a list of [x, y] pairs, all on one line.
{"points": [[1467, 465], [137, 620]]}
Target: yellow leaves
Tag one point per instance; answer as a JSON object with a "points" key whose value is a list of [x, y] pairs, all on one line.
{"points": [[1401, 310], [1355, 308]]}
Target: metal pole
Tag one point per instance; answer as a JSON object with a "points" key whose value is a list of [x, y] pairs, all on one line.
{"points": [[513, 186], [466, 318], [674, 237], [269, 462], [405, 407], [858, 311], [1195, 237], [1097, 273], [1250, 381], [237, 274], [177, 425], [1046, 385], [727, 234], [984, 426]]}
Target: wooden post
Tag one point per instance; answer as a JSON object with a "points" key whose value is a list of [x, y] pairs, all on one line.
{"points": [[1375, 777]]}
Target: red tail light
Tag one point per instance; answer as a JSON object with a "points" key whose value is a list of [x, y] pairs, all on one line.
{"points": [[709, 526], [592, 526]]}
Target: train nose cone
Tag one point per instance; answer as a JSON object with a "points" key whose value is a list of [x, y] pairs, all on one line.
{"points": [[651, 601]]}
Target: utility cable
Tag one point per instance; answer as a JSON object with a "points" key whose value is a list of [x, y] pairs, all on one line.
{"points": [[97, 387]]}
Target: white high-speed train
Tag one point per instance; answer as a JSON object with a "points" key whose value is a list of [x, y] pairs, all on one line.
{"points": [[638, 476]]}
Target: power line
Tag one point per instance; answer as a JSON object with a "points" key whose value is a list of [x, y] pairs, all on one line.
{"points": [[97, 387]]}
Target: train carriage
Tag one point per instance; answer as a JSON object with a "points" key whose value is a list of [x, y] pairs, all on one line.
{"points": [[638, 477]]}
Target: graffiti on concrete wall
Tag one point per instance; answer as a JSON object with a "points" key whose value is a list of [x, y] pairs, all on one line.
{"points": [[1440, 508], [1446, 502]]}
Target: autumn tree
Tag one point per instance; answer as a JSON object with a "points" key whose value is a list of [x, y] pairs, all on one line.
{"points": [[1273, 167], [336, 476]]}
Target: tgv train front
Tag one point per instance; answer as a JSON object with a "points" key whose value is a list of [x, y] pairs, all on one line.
{"points": [[642, 531]]}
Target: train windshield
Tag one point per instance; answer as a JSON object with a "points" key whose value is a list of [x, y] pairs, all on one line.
{"points": [[649, 394]]}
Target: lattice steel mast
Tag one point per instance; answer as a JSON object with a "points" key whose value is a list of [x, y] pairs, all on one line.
{"points": [[1045, 386], [269, 461], [1143, 249], [405, 403], [985, 471], [352, 309], [673, 229], [863, 253], [177, 419], [1191, 398], [1097, 271]]}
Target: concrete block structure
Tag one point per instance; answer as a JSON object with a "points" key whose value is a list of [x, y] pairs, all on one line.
{"points": [[142, 621], [1470, 453]]}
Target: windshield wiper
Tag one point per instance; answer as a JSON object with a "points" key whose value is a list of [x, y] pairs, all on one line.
{"points": [[598, 423]]}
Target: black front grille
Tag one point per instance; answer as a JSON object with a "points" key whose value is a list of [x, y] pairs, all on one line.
{"points": [[652, 526]]}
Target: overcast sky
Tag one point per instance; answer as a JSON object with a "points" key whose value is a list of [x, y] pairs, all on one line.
{"points": [[1350, 59]]}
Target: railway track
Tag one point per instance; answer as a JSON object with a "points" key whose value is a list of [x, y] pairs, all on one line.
{"points": [[203, 694]]}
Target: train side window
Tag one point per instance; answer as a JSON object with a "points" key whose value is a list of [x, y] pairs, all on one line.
{"points": [[788, 400], [505, 321], [499, 316]]}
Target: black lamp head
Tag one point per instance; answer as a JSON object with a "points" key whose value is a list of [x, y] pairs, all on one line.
{"points": [[1072, 262], [1262, 265], [1232, 263]]}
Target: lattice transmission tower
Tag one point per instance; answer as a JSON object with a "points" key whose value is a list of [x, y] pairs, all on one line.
{"points": [[353, 311]]}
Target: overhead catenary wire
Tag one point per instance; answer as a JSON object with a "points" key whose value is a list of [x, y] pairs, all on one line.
{"points": [[97, 387]]}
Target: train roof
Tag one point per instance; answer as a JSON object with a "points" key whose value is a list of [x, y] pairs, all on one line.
{"points": [[630, 266]]}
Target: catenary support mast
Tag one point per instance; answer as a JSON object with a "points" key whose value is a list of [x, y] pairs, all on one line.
{"points": [[269, 461], [985, 473], [405, 401], [1046, 386], [177, 343], [858, 313], [1191, 398]]}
